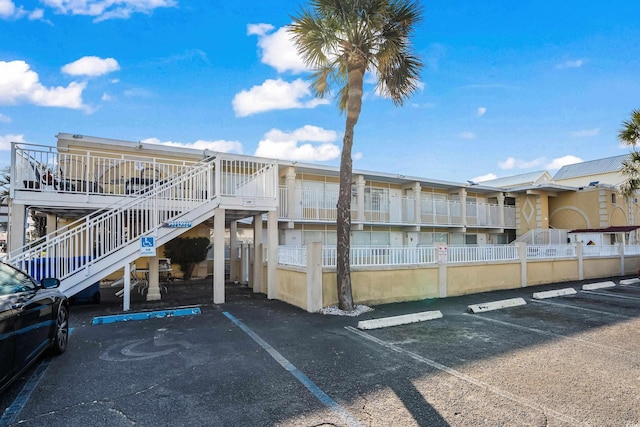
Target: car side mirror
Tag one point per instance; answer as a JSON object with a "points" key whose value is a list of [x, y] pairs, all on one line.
{"points": [[50, 282]]}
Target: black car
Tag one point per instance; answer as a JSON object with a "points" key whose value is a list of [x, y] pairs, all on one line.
{"points": [[33, 318]]}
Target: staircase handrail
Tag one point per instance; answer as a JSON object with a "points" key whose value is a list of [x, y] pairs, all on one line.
{"points": [[65, 252]]}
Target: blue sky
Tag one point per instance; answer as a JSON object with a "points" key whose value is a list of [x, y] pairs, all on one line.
{"points": [[508, 87]]}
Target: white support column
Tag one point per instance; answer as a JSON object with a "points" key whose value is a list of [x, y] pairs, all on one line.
{"points": [[621, 252], [580, 255], [17, 226], [126, 297], [234, 266], [153, 289], [417, 208], [52, 223], [272, 259], [463, 206], [522, 254], [443, 260], [360, 184], [314, 277], [290, 182], [258, 284], [218, 256], [501, 210]]}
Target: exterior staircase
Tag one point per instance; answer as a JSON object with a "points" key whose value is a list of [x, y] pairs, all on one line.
{"points": [[103, 242]]}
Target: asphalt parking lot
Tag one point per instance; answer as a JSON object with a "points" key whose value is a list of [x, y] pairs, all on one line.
{"points": [[567, 360]]}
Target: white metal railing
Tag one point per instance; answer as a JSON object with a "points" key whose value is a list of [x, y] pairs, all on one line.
{"points": [[313, 204], [550, 251], [366, 256], [49, 169], [632, 249], [483, 214], [440, 212], [362, 256], [601, 250], [241, 177], [292, 255], [551, 236], [78, 245], [459, 254]]}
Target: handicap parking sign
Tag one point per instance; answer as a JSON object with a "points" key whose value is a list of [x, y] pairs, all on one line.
{"points": [[147, 246]]}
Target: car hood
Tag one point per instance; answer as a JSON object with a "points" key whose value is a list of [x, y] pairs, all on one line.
{"points": [[6, 301]]}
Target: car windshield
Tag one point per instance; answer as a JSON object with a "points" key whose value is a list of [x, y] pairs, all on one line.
{"points": [[13, 281]]}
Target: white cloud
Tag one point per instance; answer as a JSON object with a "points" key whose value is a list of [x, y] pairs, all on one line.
{"points": [[7, 9], [513, 163], [91, 66], [107, 9], [6, 140], [487, 177], [467, 135], [201, 144], [584, 133], [278, 48], [541, 162], [285, 146], [481, 111], [571, 64], [4, 119], [563, 161], [18, 83], [107, 97], [36, 14], [274, 95]]}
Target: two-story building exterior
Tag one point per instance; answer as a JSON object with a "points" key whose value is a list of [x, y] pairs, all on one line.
{"points": [[101, 196]]}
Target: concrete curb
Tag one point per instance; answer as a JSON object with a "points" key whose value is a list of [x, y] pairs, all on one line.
{"points": [[496, 305], [629, 281], [103, 320], [599, 285], [554, 293], [399, 320]]}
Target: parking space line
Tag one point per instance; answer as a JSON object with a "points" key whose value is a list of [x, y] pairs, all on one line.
{"points": [[607, 313], [608, 348], [502, 393], [304, 380], [612, 295], [12, 411]]}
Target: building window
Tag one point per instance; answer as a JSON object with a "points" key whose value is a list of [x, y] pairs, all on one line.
{"points": [[613, 198]]}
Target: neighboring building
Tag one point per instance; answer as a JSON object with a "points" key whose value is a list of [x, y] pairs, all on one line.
{"points": [[134, 189]]}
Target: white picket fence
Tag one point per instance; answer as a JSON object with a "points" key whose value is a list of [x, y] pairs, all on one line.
{"points": [[367, 256]]}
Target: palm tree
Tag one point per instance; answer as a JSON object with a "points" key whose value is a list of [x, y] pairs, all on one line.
{"points": [[630, 135], [5, 184], [340, 40]]}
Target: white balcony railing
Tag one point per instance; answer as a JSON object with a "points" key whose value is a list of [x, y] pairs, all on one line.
{"points": [[310, 204]]}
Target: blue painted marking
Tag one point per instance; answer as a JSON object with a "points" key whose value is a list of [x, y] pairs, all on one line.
{"points": [[103, 320], [12, 412], [310, 385]]}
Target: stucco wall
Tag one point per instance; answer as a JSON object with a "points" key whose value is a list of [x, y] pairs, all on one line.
{"points": [[382, 286], [596, 268], [546, 271], [292, 286], [467, 279]]}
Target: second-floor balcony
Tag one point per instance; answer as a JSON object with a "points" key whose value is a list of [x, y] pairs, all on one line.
{"points": [[314, 205], [94, 179]]}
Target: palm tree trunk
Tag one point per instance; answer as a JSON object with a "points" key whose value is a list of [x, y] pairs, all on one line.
{"points": [[343, 221]]}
